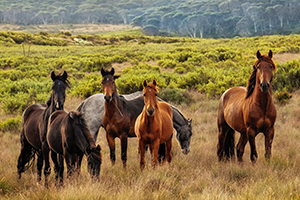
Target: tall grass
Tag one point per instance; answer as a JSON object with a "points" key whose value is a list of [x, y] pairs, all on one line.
{"points": [[197, 175]]}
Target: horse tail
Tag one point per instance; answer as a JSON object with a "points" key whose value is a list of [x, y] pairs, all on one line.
{"points": [[27, 155], [229, 144]]}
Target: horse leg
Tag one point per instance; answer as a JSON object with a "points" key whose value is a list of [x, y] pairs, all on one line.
{"points": [[61, 169], [56, 165], [269, 135], [47, 168], [251, 134], [168, 150], [40, 161], [154, 151], [78, 161], [142, 150], [162, 153], [241, 146], [229, 144], [70, 160], [124, 141], [112, 147]]}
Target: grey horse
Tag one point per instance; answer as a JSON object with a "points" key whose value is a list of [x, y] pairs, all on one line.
{"points": [[94, 106]]}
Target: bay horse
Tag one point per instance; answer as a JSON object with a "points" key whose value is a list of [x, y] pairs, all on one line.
{"points": [[69, 137], [249, 111], [154, 125], [94, 106], [119, 115], [34, 128]]}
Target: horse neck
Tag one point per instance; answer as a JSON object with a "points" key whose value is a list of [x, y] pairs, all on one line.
{"points": [[260, 98], [178, 119], [114, 106]]}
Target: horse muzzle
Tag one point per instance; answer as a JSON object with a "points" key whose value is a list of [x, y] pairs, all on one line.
{"points": [[264, 87], [185, 151], [150, 112], [108, 98]]}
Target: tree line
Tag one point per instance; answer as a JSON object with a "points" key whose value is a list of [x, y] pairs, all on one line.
{"points": [[192, 18]]}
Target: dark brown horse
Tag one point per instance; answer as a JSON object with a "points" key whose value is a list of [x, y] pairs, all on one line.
{"points": [[154, 126], [119, 115], [249, 111], [69, 137], [34, 128]]}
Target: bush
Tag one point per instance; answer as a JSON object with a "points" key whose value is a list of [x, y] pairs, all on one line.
{"points": [[175, 95], [12, 124], [282, 97]]}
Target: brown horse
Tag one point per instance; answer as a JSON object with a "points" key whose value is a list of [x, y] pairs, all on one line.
{"points": [[249, 111], [119, 115], [34, 128], [69, 137], [154, 125]]}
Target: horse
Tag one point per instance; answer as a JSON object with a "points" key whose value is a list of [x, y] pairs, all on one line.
{"points": [[34, 128], [94, 106], [69, 137], [154, 125], [249, 111]]}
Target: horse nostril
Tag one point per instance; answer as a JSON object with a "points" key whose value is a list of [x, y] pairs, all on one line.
{"points": [[264, 87], [107, 98]]}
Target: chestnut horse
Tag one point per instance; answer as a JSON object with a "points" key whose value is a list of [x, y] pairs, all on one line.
{"points": [[34, 128], [69, 137], [154, 125], [249, 111]]}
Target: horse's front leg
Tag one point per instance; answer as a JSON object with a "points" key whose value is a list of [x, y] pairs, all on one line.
{"points": [[251, 134], [124, 140], [112, 147], [269, 135], [154, 147], [142, 148], [47, 168], [240, 148]]}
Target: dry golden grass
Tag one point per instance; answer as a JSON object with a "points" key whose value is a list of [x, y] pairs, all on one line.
{"points": [[197, 175]]}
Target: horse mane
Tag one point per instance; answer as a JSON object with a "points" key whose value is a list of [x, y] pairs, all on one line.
{"points": [[78, 118], [154, 87], [252, 78]]}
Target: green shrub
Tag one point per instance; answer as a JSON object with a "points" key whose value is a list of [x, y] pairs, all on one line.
{"points": [[11, 124], [282, 96], [175, 95]]}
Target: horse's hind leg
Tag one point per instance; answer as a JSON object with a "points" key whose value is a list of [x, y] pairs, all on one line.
{"points": [[56, 165], [229, 144], [47, 168], [40, 161], [168, 150]]}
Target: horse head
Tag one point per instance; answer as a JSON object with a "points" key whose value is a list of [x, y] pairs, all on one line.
{"points": [[262, 73], [108, 84], [184, 134], [60, 84], [150, 92], [94, 161], [265, 68]]}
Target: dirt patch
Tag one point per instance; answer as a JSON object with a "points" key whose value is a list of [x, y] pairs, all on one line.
{"points": [[283, 58], [120, 66]]}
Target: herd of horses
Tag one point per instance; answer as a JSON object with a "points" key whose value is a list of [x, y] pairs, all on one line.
{"points": [[68, 136]]}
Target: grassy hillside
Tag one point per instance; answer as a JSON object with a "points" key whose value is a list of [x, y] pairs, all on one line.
{"points": [[197, 69]]}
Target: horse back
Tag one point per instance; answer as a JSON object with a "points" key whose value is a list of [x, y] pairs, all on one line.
{"points": [[31, 119], [231, 107]]}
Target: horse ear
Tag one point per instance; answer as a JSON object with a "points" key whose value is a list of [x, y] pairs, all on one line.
{"points": [[103, 72], [190, 121], [258, 55], [65, 75], [53, 76], [270, 54], [154, 82], [112, 71], [145, 83]]}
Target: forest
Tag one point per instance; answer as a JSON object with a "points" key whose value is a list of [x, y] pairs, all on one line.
{"points": [[191, 18]]}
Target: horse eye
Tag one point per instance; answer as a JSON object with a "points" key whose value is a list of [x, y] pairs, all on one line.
{"points": [[271, 66]]}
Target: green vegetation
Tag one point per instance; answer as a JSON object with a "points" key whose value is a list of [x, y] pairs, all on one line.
{"points": [[209, 66]]}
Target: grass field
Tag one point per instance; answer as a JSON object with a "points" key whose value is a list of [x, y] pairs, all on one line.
{"points": [[197, 175]]}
